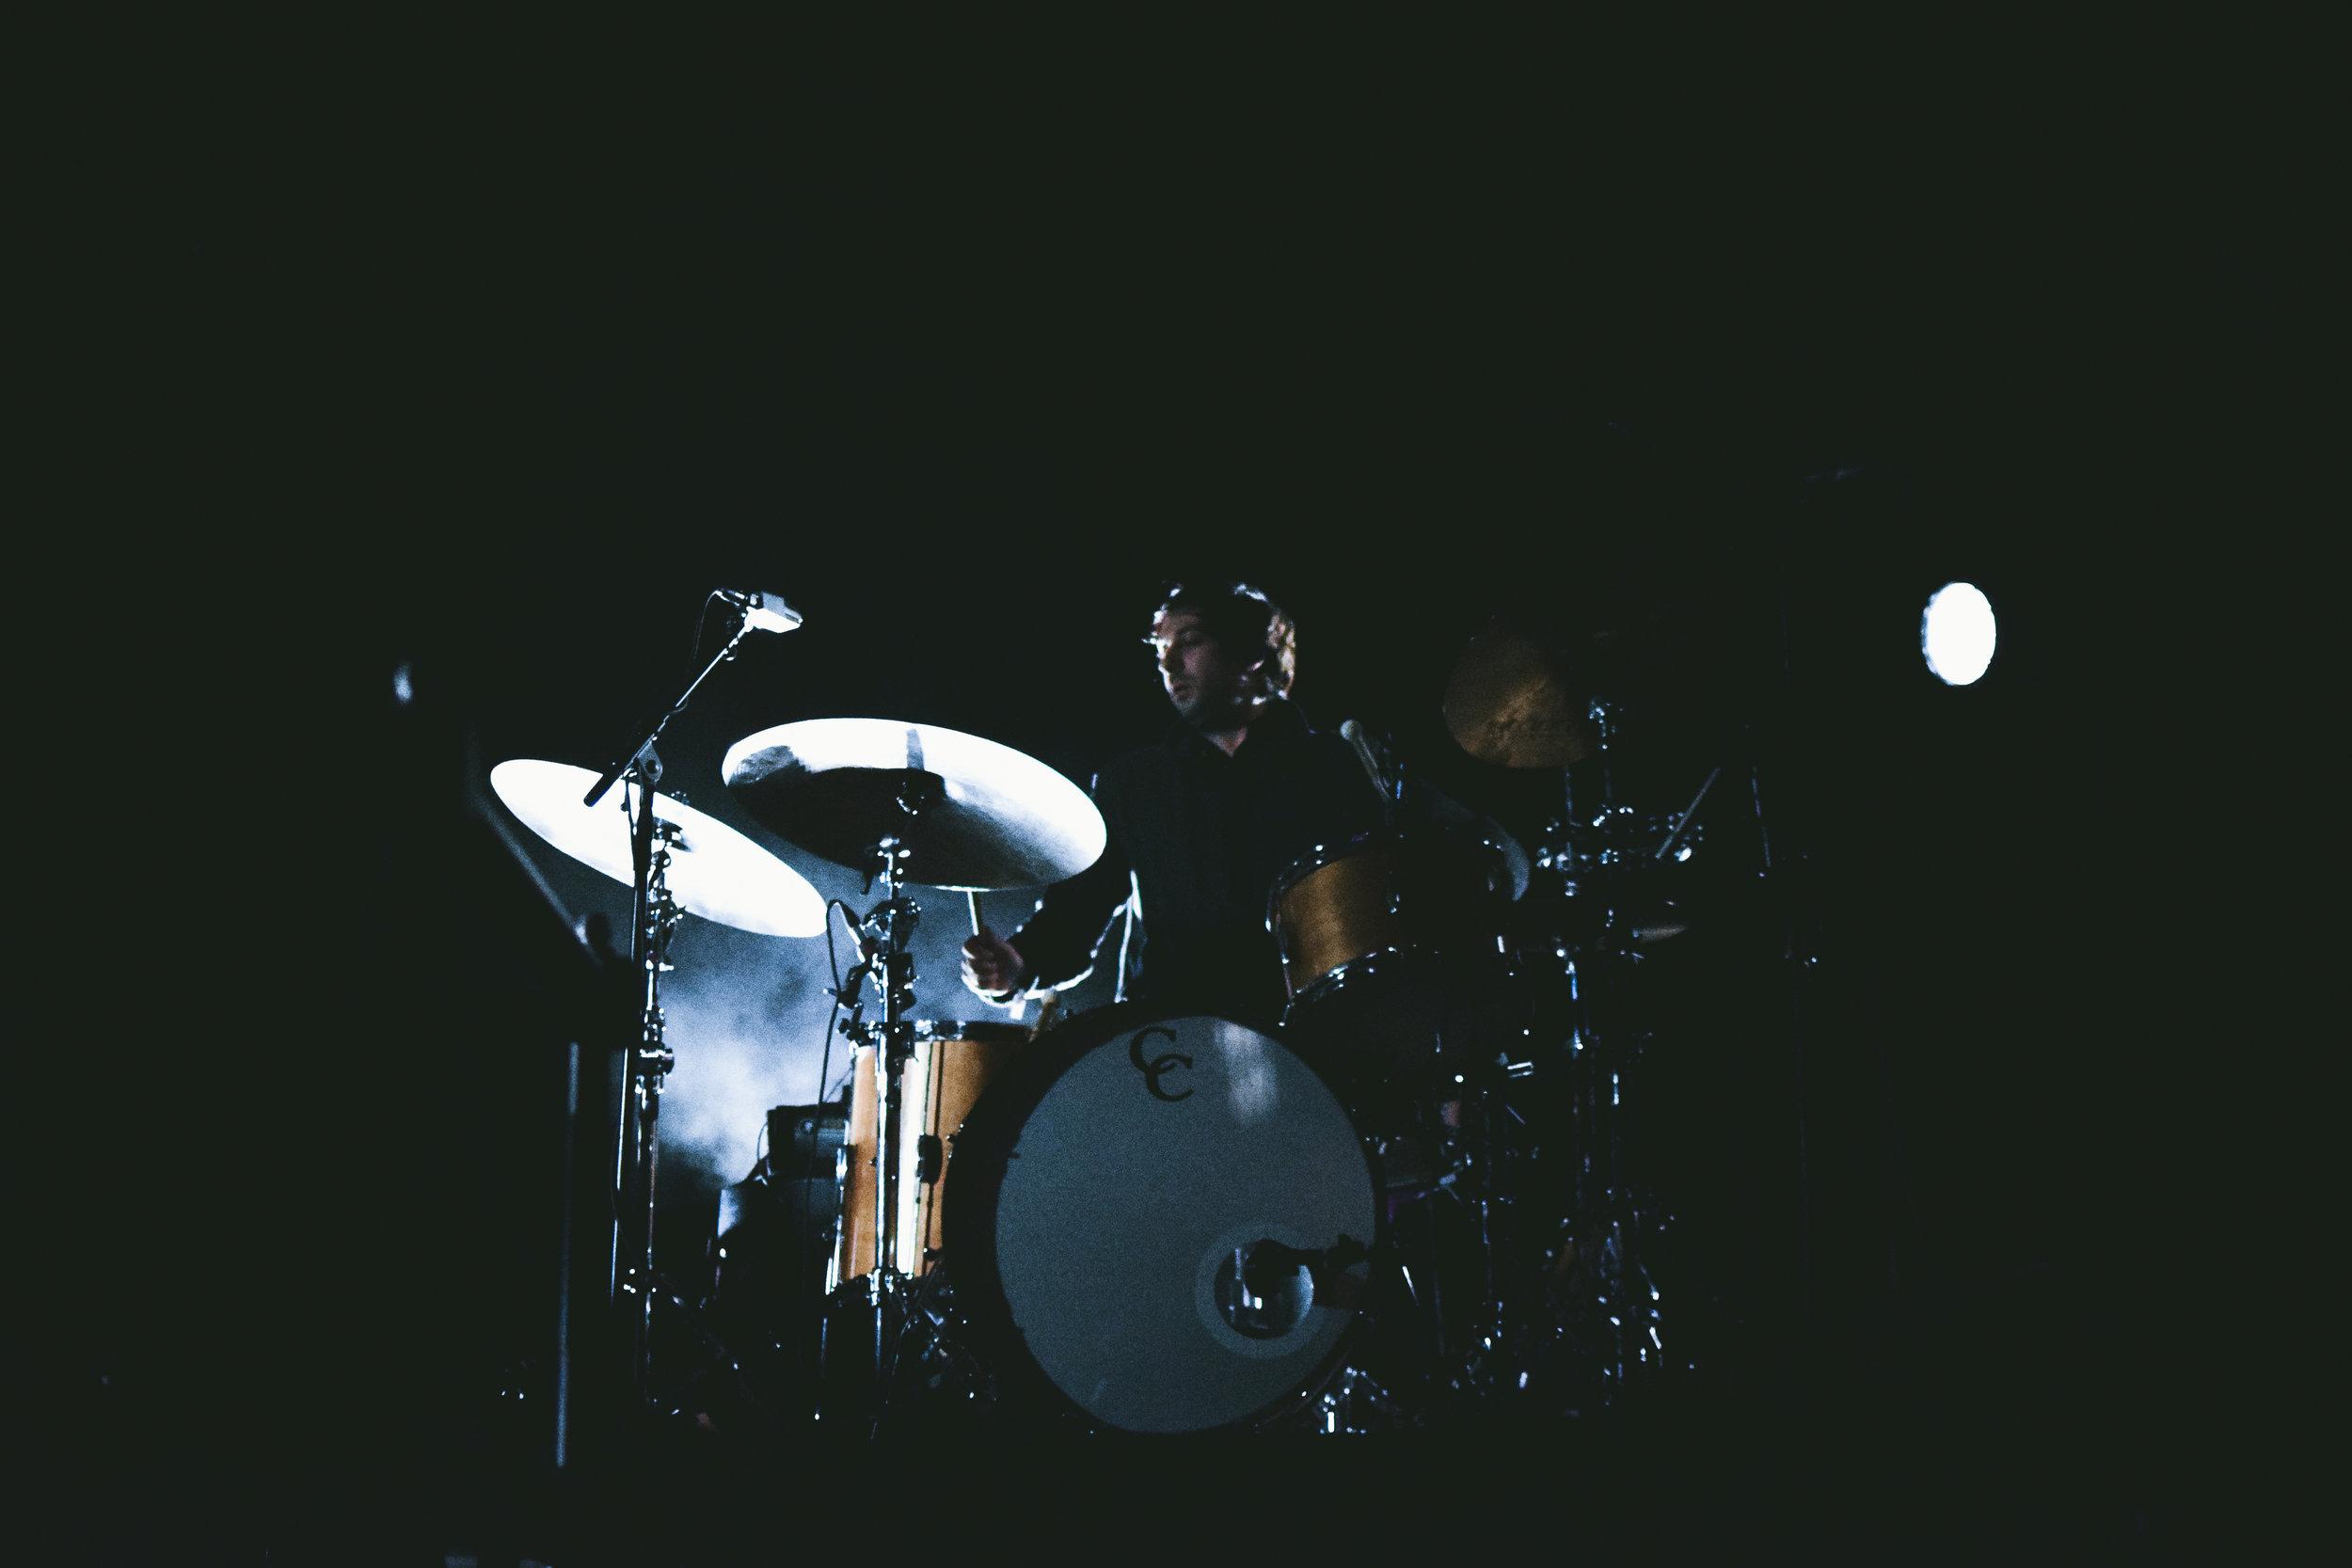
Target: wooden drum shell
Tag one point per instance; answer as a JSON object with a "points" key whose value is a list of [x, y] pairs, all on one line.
{"points": [[951, 1065]]}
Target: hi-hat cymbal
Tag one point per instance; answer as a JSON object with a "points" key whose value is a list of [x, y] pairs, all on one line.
{"points": [[971, 814], [1508, 703], [714, 871]]}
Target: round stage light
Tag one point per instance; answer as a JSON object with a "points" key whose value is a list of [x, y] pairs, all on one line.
{"points": [[1956, 633]]}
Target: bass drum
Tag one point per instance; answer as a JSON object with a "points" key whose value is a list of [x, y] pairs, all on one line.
{"points": [[1163, 1224]]}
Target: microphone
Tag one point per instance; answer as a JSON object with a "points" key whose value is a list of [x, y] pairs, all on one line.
{"points": [[1269, 1262], [764, 611], [1354, 734]]}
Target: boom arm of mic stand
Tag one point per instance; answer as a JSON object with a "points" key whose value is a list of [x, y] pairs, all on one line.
{"points": [[644, 742]]}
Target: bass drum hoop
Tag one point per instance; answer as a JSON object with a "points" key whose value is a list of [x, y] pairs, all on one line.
{"points": [[989, 1135], [978, 1031]]}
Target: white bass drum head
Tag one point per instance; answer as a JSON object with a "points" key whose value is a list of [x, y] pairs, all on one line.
{"points": [[1112, 1178]]}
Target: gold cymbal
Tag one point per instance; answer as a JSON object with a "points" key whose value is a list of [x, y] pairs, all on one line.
{"points": [[1508, 703]]}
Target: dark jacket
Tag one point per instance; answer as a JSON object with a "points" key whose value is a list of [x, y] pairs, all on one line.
{"points": [[1198, 839]]}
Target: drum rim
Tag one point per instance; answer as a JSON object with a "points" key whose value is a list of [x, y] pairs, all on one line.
{"points": [[979, 1031], [1363, 966], [994, 1126]]}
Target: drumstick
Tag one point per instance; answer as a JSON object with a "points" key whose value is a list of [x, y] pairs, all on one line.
{"points": [[972, 901], [1684, 820]]}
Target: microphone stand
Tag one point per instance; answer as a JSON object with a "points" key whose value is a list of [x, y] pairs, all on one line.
{"points": [[652, 733], [654, 918]]}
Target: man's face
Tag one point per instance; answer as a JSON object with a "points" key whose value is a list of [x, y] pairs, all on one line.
{"points": [[1207, 684]]}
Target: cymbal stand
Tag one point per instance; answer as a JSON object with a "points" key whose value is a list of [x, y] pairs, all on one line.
{"points": [[1623, 1216], [637, 1148], [893, 923], [1478, 1158], [649, 1062], [1604, 715], [885, 931], [1612, 1217]]}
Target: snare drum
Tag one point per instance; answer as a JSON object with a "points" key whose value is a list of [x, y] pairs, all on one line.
{"points": [[951, 1063], [1163, 1224]]}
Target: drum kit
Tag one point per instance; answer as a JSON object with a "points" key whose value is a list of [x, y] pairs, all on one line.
{"points": [[1408, 1205]]}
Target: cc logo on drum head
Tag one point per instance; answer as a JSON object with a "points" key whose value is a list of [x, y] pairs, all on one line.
{"points": [[1158, 1065]]}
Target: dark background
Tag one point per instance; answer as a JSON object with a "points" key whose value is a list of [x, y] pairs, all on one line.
{"points": [[495, 387]]}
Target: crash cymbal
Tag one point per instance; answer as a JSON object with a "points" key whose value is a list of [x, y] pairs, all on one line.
{"points": [[714, 872], [1508, 703], [974, 816]]}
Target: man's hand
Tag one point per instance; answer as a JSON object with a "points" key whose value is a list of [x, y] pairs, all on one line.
{"points": [[991, 965]]}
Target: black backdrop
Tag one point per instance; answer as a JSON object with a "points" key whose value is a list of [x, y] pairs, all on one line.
{"points": [[495, 401]]}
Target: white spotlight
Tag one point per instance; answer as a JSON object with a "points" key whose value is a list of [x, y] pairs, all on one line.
{"points": [[1956, 633]]}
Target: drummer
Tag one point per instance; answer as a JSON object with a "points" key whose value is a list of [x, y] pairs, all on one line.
{"points": [[1201, 824]]}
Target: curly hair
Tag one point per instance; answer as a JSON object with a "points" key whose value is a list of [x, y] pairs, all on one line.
{"points": [[1244, 623]]}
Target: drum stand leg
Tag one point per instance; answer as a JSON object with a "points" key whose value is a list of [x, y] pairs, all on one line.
{"points": [[1355, 1404], [887, 927], [1606, 1305], [1486, 1200], [1616, 1216], [634, 1284]]}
